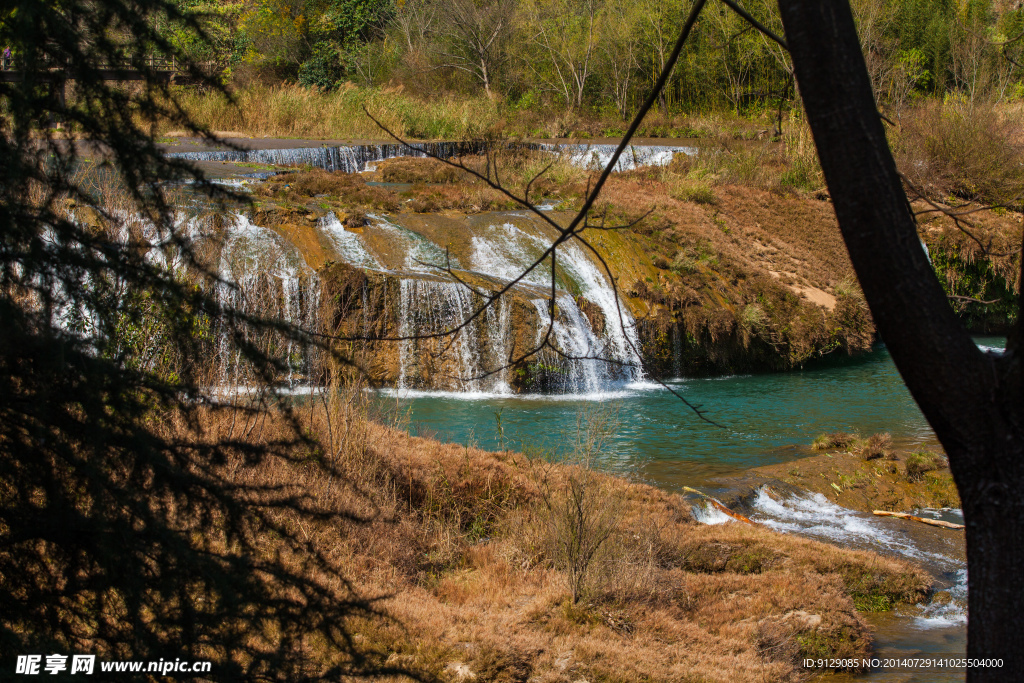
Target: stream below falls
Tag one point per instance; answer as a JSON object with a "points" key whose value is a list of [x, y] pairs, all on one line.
{"points": [[764, 419]]}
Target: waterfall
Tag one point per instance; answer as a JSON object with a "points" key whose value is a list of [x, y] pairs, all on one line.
{"points": [[506, 250], [435, 307], [347, 244], [677, 351], [358, 158], [498, 318], [593, 341], [263, 276], [597, 156], [620, 328], [573, 336], [421, 255], [345, 158]]}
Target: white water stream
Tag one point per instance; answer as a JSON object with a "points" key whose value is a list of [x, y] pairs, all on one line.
{"points": [[813, 515]]}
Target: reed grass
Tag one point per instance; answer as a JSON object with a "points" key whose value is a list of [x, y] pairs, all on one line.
{"points": [[289, 111], [461, 541]]}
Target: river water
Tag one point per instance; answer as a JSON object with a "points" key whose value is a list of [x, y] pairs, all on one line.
{"points": [[761, 419]]}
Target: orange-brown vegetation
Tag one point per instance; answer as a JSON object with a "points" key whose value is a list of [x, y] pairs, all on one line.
{"points": [[966, 150], [869, 474], [456, 542]]}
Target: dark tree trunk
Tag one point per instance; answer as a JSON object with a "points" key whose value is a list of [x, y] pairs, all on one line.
{"points": [[973, 401]]}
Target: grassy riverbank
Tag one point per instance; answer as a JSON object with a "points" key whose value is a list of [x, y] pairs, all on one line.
{"points": [[471, 552], [870, 474]]}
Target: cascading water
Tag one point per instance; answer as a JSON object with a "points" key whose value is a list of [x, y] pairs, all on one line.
{"points": [[346, 244], [597, 156], [574, 338], [421, 255], [506, 250], [593, 341], [261, 275], [358, 158], [345, 158], [812, 514], [434, 307]]}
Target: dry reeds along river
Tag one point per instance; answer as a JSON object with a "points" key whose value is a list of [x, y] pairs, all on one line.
{"points": [[764, 419]]}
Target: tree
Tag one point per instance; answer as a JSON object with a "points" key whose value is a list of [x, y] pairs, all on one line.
{"points": [[125, 530], [562, 37], [620, 49], [474, 34], [972, 400]]}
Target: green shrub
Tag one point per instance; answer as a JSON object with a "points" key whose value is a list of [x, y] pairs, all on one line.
{"points": [[920, 462], [323, 69], [835, 440], [878, 446], [697, 192]]}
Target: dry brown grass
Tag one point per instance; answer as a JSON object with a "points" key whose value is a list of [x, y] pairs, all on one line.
{"points": [[291, 111], [877, 446], [841, 440], [456, 538], [308, 185], [968, 150]]}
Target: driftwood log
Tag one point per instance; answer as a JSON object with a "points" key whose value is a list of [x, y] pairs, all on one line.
{"points": [[712, 501], [923, 520]]}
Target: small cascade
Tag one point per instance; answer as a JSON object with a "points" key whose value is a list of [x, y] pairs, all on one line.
{"points": [[345, 158], [677, 351], [597, 156], [620, 328], [347, 244], [506, 250], [431, 302], [574, 337], [499, 335], [812, 514], [452, 362], [359, 158], [421, 255]]}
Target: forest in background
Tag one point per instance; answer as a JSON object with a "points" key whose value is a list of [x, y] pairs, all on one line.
{"points": [[596, 56]]}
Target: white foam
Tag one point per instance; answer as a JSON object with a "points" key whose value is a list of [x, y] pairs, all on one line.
{"points": [[597, 156], [993, 350], [421, 255], [596, 396], [705, 513], [348, 245], [814, 515], [945, 615]]}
